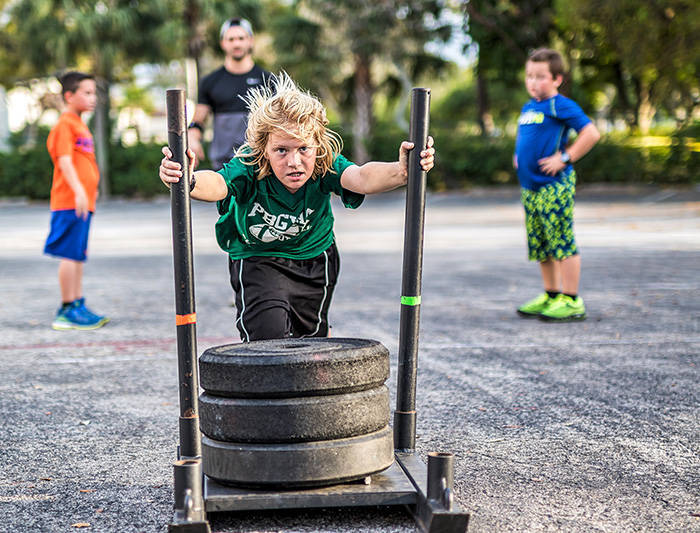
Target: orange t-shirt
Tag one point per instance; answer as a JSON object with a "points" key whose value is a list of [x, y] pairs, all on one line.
{"points": [[70, 136]]}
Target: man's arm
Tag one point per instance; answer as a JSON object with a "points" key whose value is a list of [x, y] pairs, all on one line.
{"points": [[65, 163], [194, 134], [374, 176], [586, 139]]}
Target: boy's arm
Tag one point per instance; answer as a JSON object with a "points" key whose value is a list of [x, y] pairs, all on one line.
{"points": [[586, 139], [209, 186], [374, 176], [65, 163]]}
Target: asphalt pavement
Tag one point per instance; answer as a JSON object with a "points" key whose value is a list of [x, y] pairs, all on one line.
{"points": [[590, 426]]}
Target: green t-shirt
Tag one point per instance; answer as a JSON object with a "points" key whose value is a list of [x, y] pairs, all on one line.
{"points": [[262, 218]]}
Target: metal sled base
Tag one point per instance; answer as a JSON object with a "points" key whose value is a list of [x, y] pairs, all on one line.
{"points": [[406, 482], [389, 487]]}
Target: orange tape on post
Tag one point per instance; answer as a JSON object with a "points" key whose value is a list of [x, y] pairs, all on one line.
{"points": [[183, 320]]}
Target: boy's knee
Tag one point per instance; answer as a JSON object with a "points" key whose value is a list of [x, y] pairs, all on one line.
{"points": [[269, 323]]}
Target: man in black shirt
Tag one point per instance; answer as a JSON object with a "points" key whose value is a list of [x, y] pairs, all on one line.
{"points": [[220, 92]]}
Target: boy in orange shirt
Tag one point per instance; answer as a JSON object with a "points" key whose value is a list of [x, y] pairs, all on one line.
{"points": [[73, 195]]}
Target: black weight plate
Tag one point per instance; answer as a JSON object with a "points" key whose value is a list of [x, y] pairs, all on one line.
{"points": [[303, 464], [293, 367], [306, 418]]}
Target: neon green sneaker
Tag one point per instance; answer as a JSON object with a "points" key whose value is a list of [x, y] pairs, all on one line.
{"points": [[564, 308], [534, 307]]}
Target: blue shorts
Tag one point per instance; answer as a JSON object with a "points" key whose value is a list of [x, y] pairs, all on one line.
{"points": [[68, 236]]}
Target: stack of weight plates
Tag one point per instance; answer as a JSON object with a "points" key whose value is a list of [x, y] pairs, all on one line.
{"points": [[293, 413]]}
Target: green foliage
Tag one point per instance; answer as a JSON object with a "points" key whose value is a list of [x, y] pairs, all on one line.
{"points": [[26, 173], [462, 161], [647, 52], [630, 60], [505, 32], [135, 97], [134, 170], [683, 162], [299, 50], [349, 51], [467, 160], [195, 24], [27, 169], [389, 28], [103, 37], [610, 162], [454, 103], [386, 138]]}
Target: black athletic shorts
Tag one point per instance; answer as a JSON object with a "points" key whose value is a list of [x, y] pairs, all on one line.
{"points": [[278, 297]]}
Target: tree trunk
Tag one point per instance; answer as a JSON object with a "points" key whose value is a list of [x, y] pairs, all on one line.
{"points": [[628, 112], [102, 136], [362, 121], [645, 111], [484, 118], [4, 124], [402, 108], [196, 41], [192, 79]]}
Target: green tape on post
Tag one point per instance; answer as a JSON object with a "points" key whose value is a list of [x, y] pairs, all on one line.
{"points": [[410, 300]]}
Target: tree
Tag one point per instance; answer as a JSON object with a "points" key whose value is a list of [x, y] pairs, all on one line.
{"points": [[106, 38], [357, 47], [301, 50], [647, 50], [196, 24], [505, 32]]}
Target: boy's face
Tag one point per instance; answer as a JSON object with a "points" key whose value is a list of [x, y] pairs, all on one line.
{"points": [[292, 160], [539, 82], [84, 98], [237, 43]]}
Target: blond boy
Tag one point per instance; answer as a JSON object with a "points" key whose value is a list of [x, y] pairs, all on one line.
{"points": [[276, 222]]}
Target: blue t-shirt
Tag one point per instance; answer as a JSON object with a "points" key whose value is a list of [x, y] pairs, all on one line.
{"points": [[543, 129]]}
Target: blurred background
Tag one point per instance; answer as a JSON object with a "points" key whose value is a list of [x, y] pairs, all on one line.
{"points": [[634, 67]]}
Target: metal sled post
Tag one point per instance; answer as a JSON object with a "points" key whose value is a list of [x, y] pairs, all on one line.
{"points": [[434, 509], [189, 515]]}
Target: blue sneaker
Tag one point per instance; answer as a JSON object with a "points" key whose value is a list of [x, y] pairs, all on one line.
{"points": [[73, 317], [81, 303]]}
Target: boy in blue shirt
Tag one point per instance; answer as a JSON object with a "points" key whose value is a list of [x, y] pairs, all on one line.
{"points": [[548, 182]]}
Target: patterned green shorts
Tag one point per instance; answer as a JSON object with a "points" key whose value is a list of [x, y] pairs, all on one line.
{"points": [[549, 220]]}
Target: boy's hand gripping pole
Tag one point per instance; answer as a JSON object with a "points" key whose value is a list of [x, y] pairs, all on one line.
{"points": [[189, 515], [405, 413]]}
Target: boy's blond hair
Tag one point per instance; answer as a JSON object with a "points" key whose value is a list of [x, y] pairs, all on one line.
{"points": [[281, 106]]}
